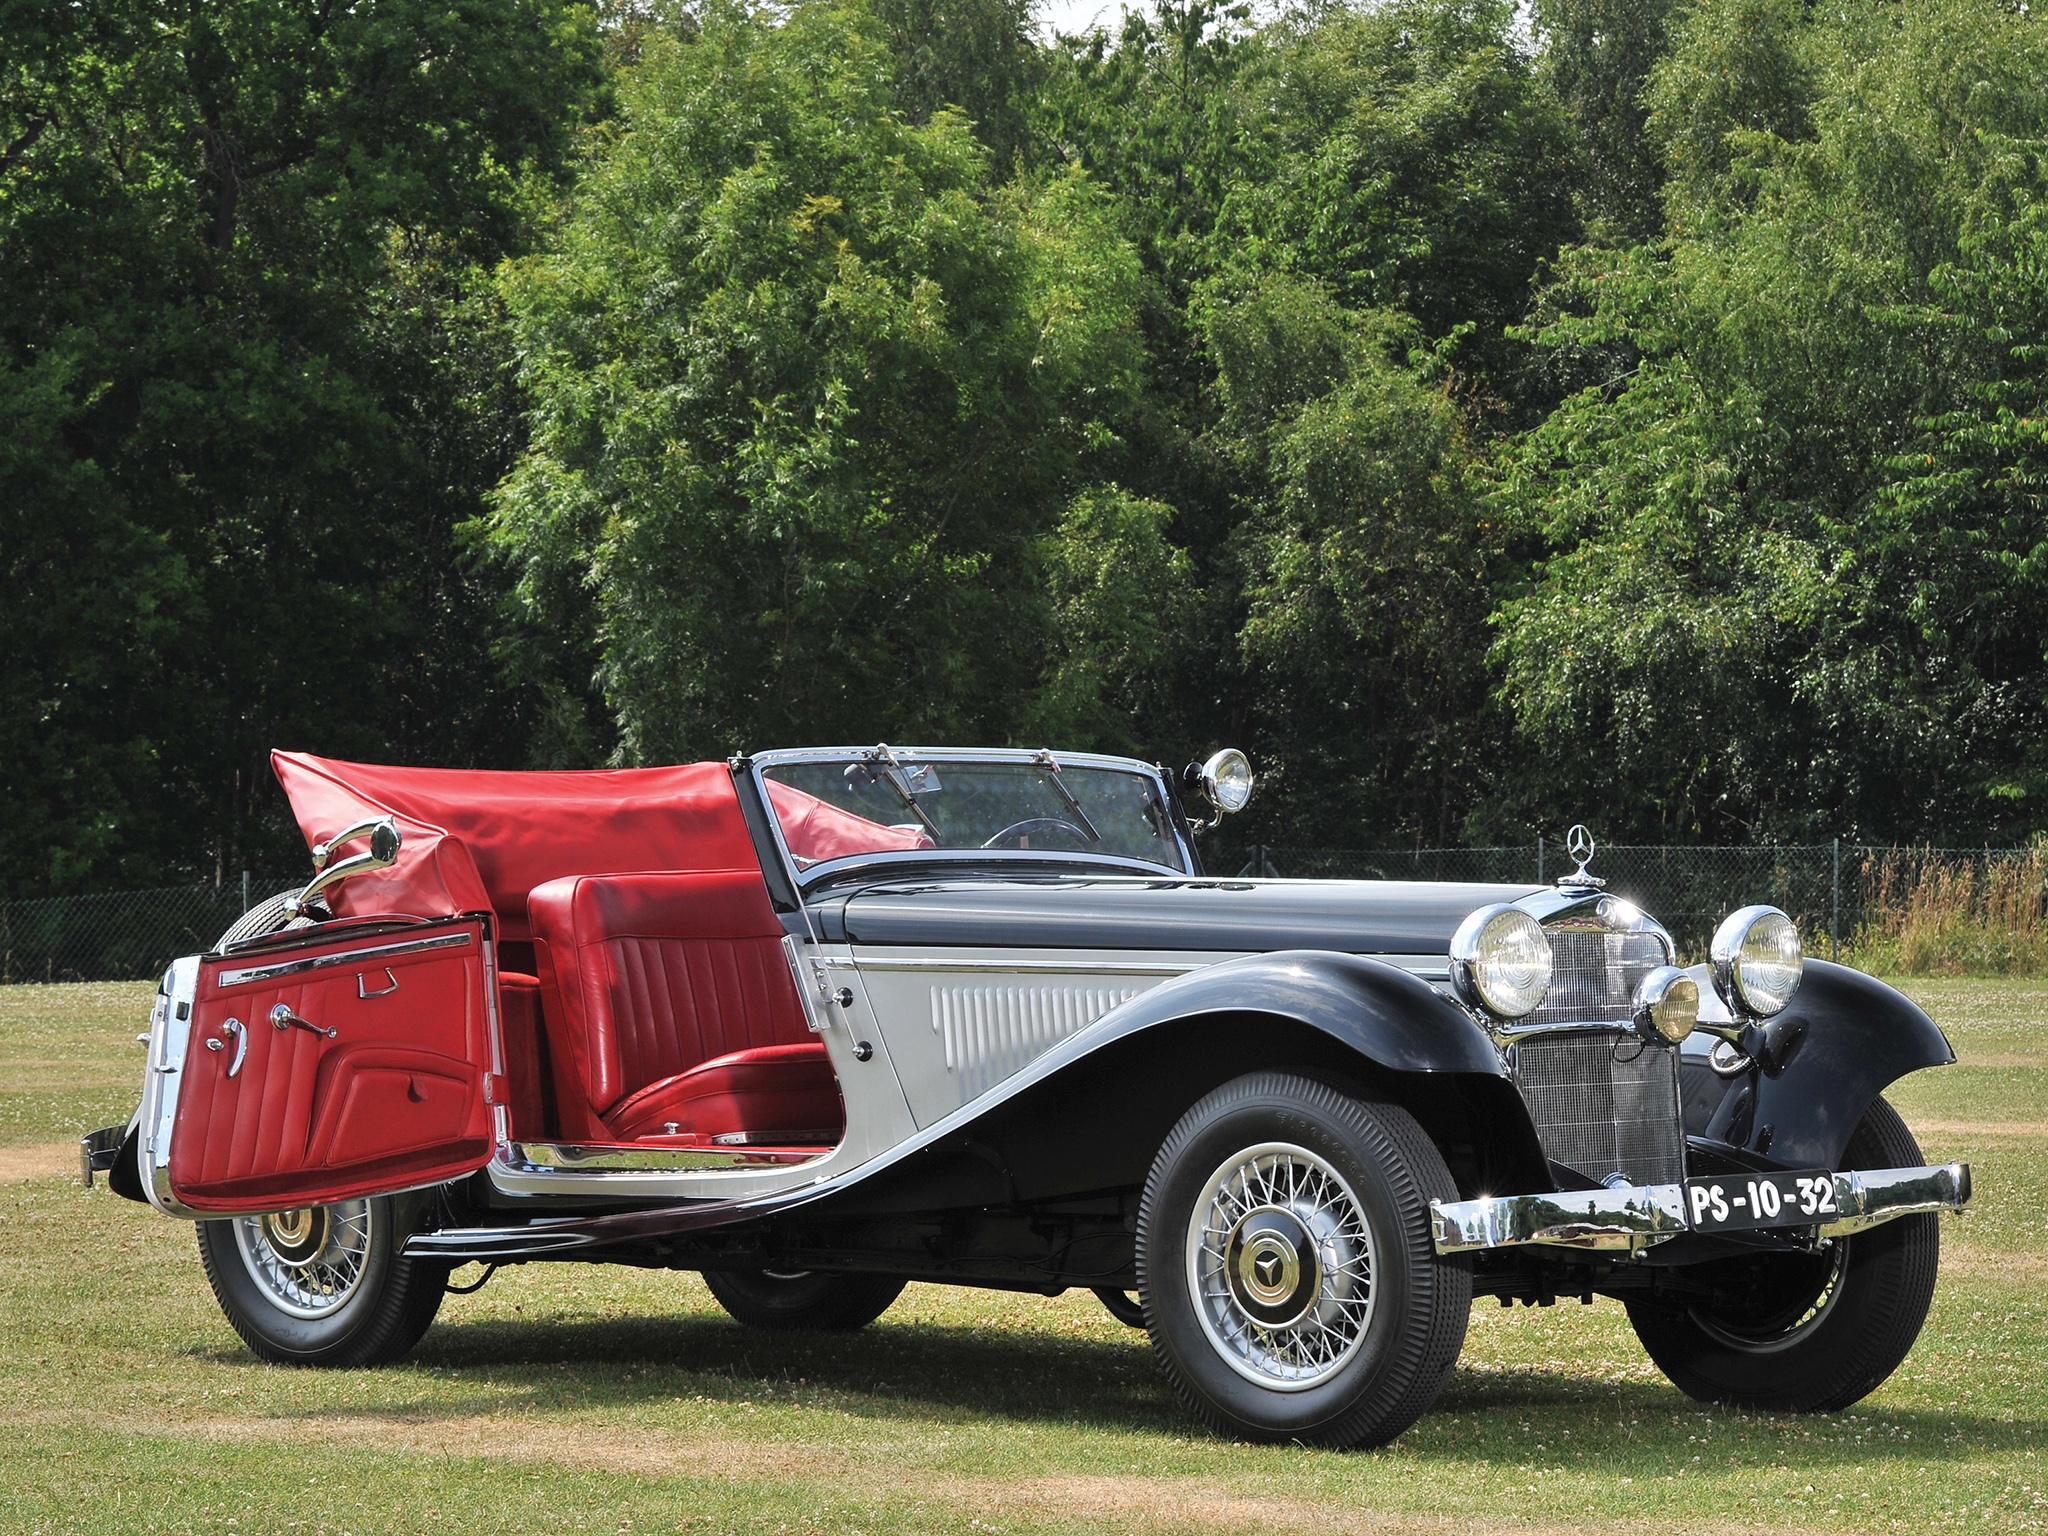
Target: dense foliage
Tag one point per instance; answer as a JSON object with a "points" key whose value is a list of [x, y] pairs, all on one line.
{"points": [[1644, 419]]}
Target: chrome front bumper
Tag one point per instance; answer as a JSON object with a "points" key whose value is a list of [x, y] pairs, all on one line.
{"points": [[1637, 1217]]}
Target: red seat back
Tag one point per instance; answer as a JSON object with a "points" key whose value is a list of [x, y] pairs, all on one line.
{"points": [[657, 973]]}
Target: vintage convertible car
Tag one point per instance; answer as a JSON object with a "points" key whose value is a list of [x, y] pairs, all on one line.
{"points": [[816, 1023]]}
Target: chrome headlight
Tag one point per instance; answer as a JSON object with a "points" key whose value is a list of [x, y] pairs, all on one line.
{"points": [[1226, 780], [1500, 960], [1667, 1004], [1757, 961]]}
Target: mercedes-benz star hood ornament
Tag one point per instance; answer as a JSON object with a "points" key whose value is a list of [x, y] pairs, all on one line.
{"points": [[1578, 842]]}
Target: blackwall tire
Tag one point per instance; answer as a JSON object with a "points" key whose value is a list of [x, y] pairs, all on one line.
{"points": [[1800, 1334], [1283, 1250], [812, 1301], [327, 1286]]}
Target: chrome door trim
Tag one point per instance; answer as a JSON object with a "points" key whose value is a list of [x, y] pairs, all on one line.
{"points": [[170, 1033], [252, 973]]}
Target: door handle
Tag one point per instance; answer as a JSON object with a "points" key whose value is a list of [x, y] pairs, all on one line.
{"points": [[364, 993], [236, 1030], [283, 1018]]}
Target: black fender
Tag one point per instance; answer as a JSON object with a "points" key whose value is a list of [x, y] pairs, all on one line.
{"points": [[1091, 1114], [1843, 1039]]}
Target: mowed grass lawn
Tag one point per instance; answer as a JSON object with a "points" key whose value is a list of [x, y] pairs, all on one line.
{"points": [[579, 1398]]}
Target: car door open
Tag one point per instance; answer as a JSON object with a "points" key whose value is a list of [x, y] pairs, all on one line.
{"points": [[353, 1065]]}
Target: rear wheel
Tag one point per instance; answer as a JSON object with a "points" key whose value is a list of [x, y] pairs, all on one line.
{"points": [[805, 1299], [1291, 1287], [1806, 1333], [324, 1285]]}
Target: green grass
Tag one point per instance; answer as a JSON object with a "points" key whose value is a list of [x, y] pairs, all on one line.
{"points": [[571, 1397]]}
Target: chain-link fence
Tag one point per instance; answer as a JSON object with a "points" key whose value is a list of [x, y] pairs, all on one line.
{"points": [[1827, 888], [121, 935]]}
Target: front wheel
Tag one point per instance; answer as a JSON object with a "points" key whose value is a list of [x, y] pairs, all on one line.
{"points": [[808, 1300], [1291, 1287], [323, 1285], [1806, 1332]]}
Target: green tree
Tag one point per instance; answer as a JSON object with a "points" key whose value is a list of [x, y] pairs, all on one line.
{"points": [[1742, 625], [975, 56], [1410, 163], [251, 350], [809, 388], [1596, 58]]}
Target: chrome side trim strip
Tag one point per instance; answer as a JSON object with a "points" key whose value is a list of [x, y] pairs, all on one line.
{"points": [[339, 957], [1868, 1197], [1080, 965], [1632, 1217], [1600, 1219], [1086, 963]]}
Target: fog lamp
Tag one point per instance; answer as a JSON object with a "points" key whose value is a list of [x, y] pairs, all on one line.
{"points": [[1667, 1004]]}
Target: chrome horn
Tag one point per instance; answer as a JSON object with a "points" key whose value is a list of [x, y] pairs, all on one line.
{"points": [[385, 840]]}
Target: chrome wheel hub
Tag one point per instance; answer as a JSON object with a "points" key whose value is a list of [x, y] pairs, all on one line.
{"points": [[1280, 1265], [310, 1261]]}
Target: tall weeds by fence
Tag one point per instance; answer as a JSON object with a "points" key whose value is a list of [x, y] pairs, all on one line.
{"points": [[1943, 912]]}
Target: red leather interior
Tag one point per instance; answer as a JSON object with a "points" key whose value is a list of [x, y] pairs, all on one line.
{"points": [[395, 1097], [478, 839], [816, 830], [667, 998], [782, 1094], [519, 1019]]}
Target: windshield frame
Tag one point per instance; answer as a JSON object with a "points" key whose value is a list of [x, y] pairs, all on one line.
{"points": [[995, 860]]}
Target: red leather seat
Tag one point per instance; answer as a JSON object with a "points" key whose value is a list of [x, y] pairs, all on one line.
{"points": [[670, 1011]]}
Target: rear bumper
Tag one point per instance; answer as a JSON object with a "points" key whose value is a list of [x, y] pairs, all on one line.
{"points": [[1636, 1217]]}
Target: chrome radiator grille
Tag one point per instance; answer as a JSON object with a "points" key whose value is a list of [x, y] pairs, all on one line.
{"points": [[1604, 1103], [1593, 975]]}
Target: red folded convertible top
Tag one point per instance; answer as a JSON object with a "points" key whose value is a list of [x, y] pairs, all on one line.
{"points": [[481, 838]]}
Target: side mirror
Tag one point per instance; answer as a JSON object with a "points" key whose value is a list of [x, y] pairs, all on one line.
{"points": [[385, 841]]}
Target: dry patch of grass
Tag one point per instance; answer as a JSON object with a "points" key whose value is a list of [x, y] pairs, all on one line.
{"points": [[48, 1160]]}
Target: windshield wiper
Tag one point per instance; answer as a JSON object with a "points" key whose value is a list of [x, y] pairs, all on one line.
{"points": [[1046, 758], [898, 779]]}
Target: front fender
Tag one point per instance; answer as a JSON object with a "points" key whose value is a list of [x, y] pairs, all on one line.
{"points": [[1842, 1040], [1388, 1016]]}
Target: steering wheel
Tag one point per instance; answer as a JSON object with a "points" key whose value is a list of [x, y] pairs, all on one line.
{"points": [[1019, 830]]}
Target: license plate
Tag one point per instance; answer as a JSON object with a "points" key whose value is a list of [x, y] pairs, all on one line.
{"points": [[1730, 1203]]}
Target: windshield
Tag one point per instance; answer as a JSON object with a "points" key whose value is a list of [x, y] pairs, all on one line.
{"points": [[868, 802]]}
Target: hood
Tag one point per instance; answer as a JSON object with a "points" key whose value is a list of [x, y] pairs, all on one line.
{"points": [[1360, 917]]}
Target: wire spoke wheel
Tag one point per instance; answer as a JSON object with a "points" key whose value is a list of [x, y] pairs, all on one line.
{"points": [[1281, 1266], [1811, 1302], [309, 1262], [1291, 1288]]}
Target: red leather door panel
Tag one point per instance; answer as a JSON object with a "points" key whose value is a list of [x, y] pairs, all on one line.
{"points": [[392, 1098]]}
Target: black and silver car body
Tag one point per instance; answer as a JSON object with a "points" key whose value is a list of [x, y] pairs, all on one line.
{"points": [[1279, 1123]]}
